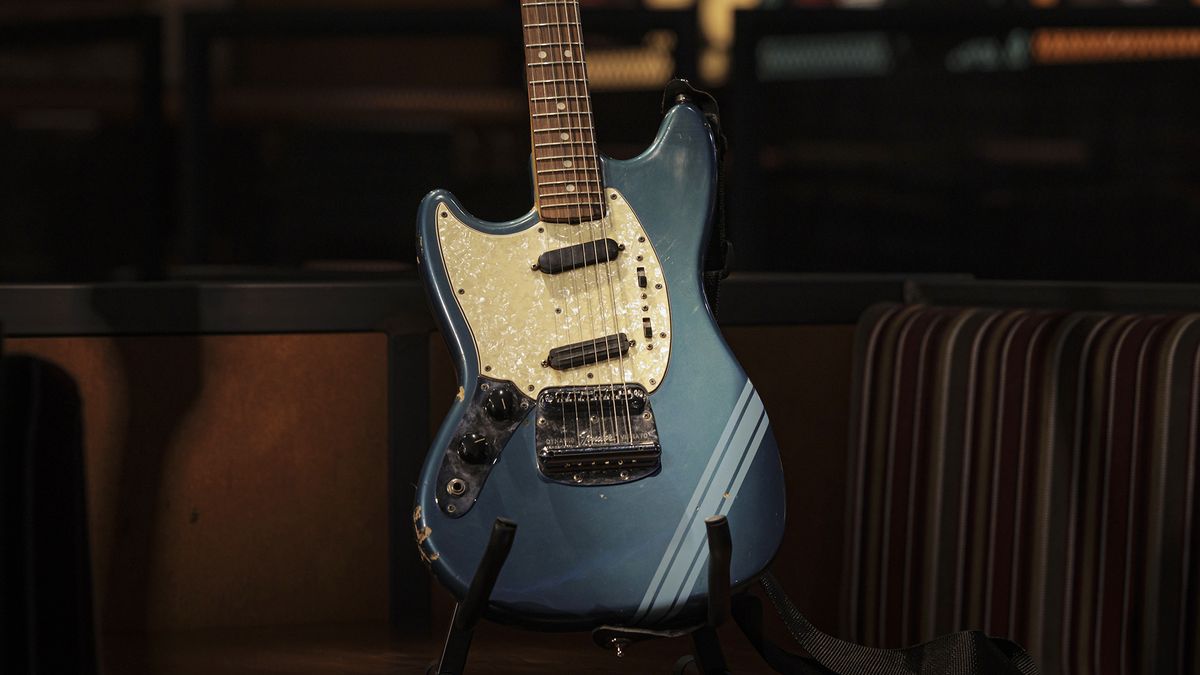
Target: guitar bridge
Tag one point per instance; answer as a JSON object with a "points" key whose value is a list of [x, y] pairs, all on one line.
{"points": [[596, 435]]}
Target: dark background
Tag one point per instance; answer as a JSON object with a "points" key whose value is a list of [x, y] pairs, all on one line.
{"points": [[280, 140], [230, 139]]}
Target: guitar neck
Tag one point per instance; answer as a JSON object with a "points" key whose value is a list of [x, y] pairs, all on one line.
{"points": [[567, 177]]}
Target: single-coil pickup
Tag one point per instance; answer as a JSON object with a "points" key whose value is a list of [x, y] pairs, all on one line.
{"points": [[588, 352], [574, 257]]}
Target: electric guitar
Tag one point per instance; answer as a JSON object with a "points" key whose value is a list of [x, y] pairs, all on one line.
{"points": [[599, 407]]}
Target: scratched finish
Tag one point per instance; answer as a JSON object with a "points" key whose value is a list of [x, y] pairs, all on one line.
{"points": [[517, 314]]}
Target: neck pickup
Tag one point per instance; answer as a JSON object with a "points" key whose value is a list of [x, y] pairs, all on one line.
{"points": [[588, 352], [580, 255]]}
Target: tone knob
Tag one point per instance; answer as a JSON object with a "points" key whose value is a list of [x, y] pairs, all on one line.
{"points": [[474, 448], [499, 404]]}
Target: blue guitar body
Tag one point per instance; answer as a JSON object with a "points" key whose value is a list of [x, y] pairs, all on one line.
{"points": [[610, 552]]}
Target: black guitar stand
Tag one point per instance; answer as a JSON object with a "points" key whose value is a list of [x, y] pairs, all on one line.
{"points": [[709, 657], [967, 652], [468, 612]]}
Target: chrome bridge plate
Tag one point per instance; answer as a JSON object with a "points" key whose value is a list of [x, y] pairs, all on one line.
{"points": [[596, 435]]}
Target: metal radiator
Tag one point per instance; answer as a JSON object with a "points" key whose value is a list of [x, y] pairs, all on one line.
{"points": [[1032, 474]]}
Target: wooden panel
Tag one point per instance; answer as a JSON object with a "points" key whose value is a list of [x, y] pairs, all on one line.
{"points": [[233, 480]]}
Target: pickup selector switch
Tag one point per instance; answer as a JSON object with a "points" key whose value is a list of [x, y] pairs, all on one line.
{"points": [[642, 281], [647, 329]]}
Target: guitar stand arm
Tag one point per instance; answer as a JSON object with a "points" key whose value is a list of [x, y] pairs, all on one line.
{"points": [[709, 657], [467, 613]]}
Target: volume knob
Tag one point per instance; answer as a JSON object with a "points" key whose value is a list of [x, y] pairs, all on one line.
{"points": [[499, 404], [474, 448]]}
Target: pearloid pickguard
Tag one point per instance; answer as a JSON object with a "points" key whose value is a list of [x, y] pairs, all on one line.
{"points": [[511, 308]]}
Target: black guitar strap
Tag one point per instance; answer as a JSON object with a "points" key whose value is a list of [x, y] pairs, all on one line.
{"points": [[716, 259], [963, 653]]}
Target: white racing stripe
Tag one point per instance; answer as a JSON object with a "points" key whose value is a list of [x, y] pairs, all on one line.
{"points": [[686, 591], [693, 503], [724, 474]]}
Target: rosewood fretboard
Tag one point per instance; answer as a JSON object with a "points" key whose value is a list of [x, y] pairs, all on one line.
{"points": [[566, 171]]}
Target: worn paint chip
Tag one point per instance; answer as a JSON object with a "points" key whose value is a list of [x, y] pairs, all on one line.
{"points": [[461, 394]]}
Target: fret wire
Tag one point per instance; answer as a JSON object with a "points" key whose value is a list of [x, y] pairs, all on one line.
{"points": [[565, 204], [552, 23], [555, 98], [559, 113], [542, 181], [559, 79], [535, 45], [539, 4], [582, 142], [572, 157], [552, 63], [550, 129], [568, 170]]}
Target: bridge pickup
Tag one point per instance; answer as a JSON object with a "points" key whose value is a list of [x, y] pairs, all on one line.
{"points": [[588, 352], [580, 255]]}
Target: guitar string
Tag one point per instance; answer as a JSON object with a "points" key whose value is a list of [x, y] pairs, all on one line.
{"points": [[545, 38], [566, 64], [576, 313], [605, 215], [537, 37], [569, 60], [575, 77], [567, 42]]}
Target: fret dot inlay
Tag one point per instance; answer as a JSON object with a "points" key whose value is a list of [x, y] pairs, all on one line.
{"points": [[568, 191]]}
